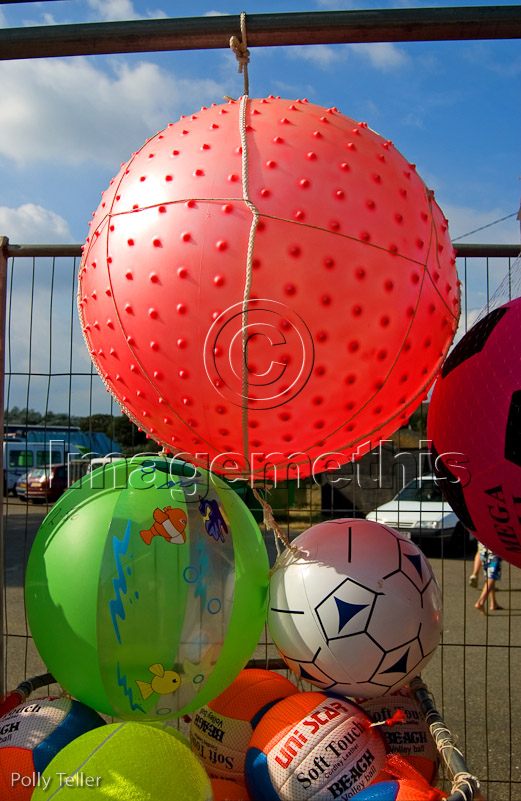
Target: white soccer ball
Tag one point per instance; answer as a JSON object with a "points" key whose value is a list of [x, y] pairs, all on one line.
{"points": [[357, 610]]}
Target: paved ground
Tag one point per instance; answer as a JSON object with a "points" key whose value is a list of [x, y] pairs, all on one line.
{"points": [[475, 676]]}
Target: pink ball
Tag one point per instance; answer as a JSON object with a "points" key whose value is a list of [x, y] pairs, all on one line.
{"points": [[354, 297], [474, 423]]}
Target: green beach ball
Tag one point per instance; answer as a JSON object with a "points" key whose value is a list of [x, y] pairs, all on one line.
{"points": [[146, 588]]}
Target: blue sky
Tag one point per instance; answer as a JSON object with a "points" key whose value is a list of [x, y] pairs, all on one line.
{"points": [[453, 108]]}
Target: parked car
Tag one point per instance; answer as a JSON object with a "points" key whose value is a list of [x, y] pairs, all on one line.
{"points": [[421, 514], [43, 483], [20, 487], [20, 456]]}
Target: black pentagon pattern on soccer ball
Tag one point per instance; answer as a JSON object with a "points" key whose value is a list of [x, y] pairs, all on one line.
{"points": [[309, 671], [402, 665], [473, 342], [347, 611], [452, 489], [513, 430], [417, 562]]}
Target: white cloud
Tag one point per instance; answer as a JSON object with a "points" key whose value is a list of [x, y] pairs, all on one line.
{"points": [[483, 55], [112, 10], [463, 219], [73, 112], [44, 335], [33, 224], [331, 5], [322, 56], [382, 55]]}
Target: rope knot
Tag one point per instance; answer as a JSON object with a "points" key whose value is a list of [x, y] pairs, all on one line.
{"points": [[241, 51], [465, 779], [240, 48]]}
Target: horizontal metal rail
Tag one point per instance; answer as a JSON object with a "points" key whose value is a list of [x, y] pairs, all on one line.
{"points": [[55, 251], [488, 251], [264, 30], [462, 250]]}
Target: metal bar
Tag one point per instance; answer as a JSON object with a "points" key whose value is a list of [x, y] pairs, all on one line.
{"points": [[264, 30], [271, 664], [21, 251], [10, 2], [465, 250], [36, 683], [504, 251], [467, 784], [3, 298]]}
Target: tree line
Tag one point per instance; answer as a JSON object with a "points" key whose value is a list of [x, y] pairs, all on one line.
{"points": [[128, 436]]}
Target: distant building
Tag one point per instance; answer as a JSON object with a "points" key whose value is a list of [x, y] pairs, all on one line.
{"points": [[75, 440], [29, 446]]}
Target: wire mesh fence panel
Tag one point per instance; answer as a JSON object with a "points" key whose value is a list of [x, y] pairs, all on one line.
{"points": [[54, 398]]}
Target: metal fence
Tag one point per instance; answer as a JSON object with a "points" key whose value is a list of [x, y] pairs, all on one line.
{"points": [[475, 677], [475, 674]]}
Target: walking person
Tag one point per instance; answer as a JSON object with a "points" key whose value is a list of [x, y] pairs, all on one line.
{"points": [[473, 578], [492, 572]]}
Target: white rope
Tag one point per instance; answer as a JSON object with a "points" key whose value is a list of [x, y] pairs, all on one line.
{"points": [[269, 519], [240, 48], [249, 269], [465, 780], [446, 746]]}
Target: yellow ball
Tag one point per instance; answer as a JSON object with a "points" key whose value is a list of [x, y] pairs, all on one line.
{"points": [[165, 725], [125, 761]]}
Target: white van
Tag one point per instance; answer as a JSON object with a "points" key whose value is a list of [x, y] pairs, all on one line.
{"points": [[105, 477], [20, 456], [101, 461], [420, 512]]}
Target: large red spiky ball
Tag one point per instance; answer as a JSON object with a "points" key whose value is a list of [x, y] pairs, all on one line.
{"points": [[353, 301], [474, 424]]}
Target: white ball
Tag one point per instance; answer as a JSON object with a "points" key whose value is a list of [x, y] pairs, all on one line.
{"points": [[357, 611]]}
